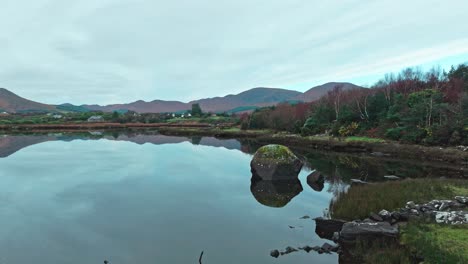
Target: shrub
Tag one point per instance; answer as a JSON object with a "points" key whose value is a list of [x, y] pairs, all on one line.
{"points": [[394, 133]]}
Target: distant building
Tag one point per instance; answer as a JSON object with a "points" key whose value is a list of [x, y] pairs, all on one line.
{"points": [[4, 113], [96, 119], [173, 115], [57, 116], [189, 115]]}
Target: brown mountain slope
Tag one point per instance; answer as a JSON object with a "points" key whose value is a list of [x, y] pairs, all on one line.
{"points": [[321, 90], [12, 103]]}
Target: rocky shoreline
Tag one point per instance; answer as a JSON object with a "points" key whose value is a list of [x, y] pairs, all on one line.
{"points": [[383, 225]]}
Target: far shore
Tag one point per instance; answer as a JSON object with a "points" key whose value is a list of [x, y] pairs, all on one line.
{"points": [[371, 146]]}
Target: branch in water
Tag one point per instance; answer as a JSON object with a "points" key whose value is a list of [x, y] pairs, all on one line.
{"points": [[200, 259]]}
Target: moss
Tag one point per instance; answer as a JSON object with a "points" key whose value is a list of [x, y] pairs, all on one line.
{"points": [[276, 152]]}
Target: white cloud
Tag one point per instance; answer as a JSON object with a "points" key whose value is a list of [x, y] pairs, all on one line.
{"points": [[123, 50]]}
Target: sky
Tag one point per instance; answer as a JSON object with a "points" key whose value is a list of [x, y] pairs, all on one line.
{"points": [[117, 51]]}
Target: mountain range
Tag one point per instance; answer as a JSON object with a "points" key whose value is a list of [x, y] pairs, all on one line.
{"points": [[250, 99]]}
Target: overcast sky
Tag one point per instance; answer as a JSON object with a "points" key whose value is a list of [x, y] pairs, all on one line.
{"points": [[111, 51]]}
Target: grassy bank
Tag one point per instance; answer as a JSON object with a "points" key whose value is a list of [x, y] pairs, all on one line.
{"points": [[435, 243], [360, 200]]}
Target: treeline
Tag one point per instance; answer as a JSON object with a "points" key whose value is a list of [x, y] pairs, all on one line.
{"points": [[412, 106]]}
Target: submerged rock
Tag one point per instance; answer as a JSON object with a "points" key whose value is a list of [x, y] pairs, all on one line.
{"points": [[275, 193], [275, 253], [275, 163], [316, 181]]}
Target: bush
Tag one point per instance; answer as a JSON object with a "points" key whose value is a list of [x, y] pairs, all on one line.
{"points": [[349, 130], [394, 133]]}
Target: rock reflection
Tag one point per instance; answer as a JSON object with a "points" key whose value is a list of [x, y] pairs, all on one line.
{"points": [[275, 193], [316, 181]]}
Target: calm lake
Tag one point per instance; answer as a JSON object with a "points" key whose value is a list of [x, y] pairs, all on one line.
{"points": [[149, 198]]}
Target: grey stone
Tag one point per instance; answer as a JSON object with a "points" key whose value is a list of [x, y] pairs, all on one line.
{"points": [[386, 215], [375, 217], [462, 199], [410, 205], [444, 206], [352, 230]]}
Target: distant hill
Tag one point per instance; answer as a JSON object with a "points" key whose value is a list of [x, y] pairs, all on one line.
{"points": [[156, 106], [253, 98], [321, 90], [12, 103], [72, 108], [234, 103]]}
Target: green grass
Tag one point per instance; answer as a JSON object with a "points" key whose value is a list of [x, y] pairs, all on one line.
{"points": [[382, 251], [364, 139], [360, 200], [437, 243]]}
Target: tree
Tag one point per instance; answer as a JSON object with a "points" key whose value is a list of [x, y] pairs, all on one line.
{"points": [[115, 116], [196, 110]]}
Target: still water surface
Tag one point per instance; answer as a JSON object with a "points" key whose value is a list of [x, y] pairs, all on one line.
{"points": [[83, 201], [149, 198]]}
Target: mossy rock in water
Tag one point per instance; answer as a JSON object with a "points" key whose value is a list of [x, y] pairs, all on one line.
{"points": [[275, 193], [275, 162]]}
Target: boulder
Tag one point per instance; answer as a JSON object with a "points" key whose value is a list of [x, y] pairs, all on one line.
{"points": [[316, 181], [275, 193], [353, 230], [275, 163]]}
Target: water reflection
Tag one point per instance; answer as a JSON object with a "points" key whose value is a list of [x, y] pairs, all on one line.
{"points": [[316, 181], [275, 193]]}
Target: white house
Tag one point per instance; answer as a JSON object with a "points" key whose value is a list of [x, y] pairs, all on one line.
{"points": [[96, 119], [57, 116]]}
